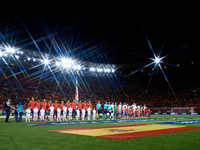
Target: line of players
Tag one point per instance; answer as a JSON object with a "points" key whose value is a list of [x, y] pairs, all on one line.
{"points": [[124, 111], [69, 110], [82, 110]]}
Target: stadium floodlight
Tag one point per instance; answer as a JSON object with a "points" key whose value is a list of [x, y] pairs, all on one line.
{"points": [[34, 59], [17, 56], [79, 67], [113, 70], [10, 50], [67, 62], [46, 61], [75, 67], [157, 60], [21, 52], [84, 68], [92, 69], [57, 64], [106, 70], [28, 58], [99, 70]]}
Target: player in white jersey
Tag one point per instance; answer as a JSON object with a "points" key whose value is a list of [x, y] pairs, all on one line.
{"points": [[112, 113], [112, 106], [83, 113], [94, 113], [64, 113], [28, 113], [134, 109], [58, 114], [35, 113], [70, 112], [42, 113], [124, 106], [77, 113], [51, 109], [120, 106], [89, 112]]}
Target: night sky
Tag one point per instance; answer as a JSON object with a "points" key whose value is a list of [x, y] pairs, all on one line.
{"points": [[103, 32]]}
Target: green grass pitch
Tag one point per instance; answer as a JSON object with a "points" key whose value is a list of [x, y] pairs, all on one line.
{"points": [[15, 136]]}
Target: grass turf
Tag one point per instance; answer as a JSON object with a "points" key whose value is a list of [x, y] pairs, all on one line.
{"points": [[17, 136]]}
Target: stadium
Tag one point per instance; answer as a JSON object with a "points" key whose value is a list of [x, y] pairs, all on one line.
{"points": [[95, 75]]}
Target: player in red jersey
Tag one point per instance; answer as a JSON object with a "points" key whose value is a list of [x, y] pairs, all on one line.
{"points": [[84, 105], [79, 104], [122, 112], [55, 105], [67, 105], [61, 107], [44, 105], [125, 110], [48, 108], [73, 104], [90, 104], [130, 112], [140, 112], [137, 113], [38, 104], [31, 104], [117, 112], [149, 112]]}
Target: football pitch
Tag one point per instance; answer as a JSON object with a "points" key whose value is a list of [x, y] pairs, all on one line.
{"points": [[97, 136]]}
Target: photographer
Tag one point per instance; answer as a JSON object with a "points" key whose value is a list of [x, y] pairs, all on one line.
{"points": [[19, 109], [7, 107]]}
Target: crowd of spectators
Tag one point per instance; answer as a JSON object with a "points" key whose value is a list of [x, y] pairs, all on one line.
{"points": [[184, 92]]}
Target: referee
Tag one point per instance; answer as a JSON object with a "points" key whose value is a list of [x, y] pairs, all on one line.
{"points": [[7, 108]]}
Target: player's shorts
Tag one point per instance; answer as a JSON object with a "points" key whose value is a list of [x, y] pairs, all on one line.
{"points": [[38, 111], [145, 112], [117, 114], [140, 115], [125, 114], [32, 111], [136, 115], [55, 112], [121, 112], [130, 115], [149, 114], [67, 112], [61, 112], [73, 111]]}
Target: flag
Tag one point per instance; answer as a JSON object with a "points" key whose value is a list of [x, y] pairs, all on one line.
{"points": [[76, 96]]}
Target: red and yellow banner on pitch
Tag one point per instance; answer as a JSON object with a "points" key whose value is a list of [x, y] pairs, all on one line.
{"points": [[126, 131]]}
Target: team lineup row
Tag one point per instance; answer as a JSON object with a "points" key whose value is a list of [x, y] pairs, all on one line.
{"points": [[83, 110]]}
